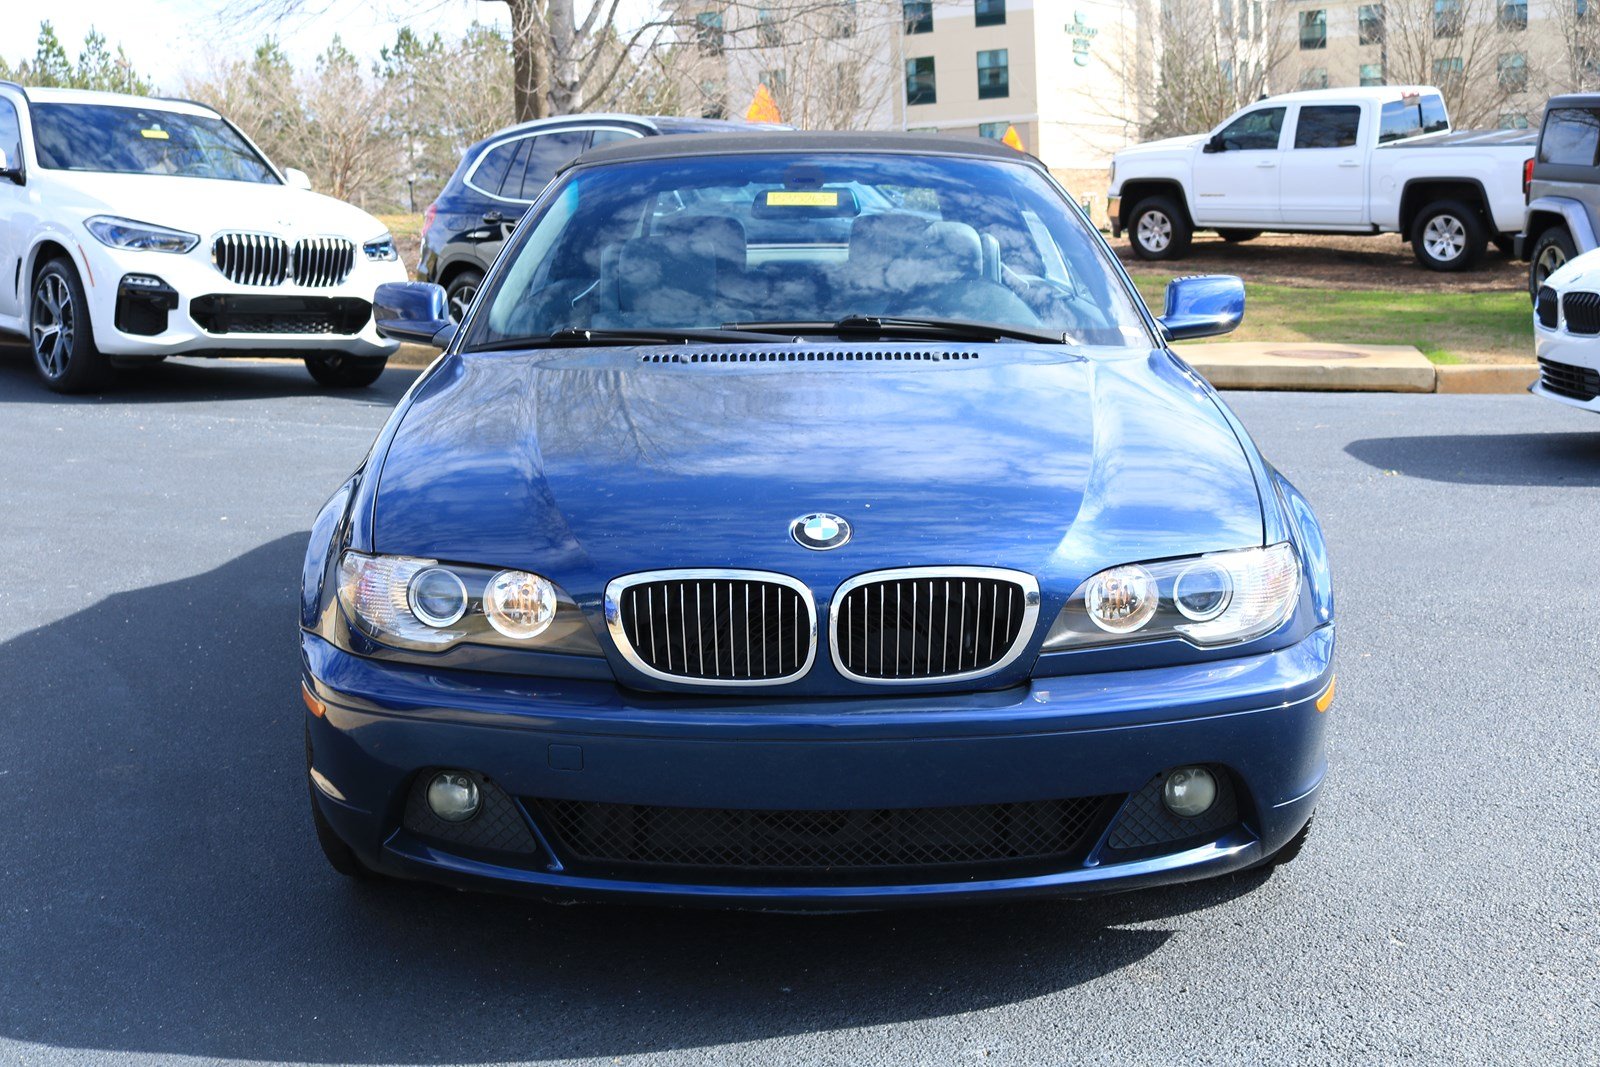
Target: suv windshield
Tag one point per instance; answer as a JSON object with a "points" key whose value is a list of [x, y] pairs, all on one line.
{"points": [[131, 140], [807, 238]]}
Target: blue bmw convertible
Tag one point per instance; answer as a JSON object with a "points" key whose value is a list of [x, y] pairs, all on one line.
{"points": [[807, 521]]}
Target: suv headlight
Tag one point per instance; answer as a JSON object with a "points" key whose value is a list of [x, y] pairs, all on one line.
{"points": [[1216, 599], [429, 606], [142, 236], [381, 248]]}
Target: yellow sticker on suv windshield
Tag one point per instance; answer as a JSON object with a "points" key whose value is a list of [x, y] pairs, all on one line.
{"points": [[155, 135], [802, 198]]}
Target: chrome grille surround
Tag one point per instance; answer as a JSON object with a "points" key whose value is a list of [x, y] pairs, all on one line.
{"points": [[263, 259], [251, 258], [992, 578], [711, 583], [323, 261]]}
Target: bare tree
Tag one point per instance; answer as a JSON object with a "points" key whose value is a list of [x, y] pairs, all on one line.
{"points": [[1467, 48], [1578, 62]]}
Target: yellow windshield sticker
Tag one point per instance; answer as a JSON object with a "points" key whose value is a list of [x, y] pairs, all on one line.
{"points": [[793, 198], [154, 134]]}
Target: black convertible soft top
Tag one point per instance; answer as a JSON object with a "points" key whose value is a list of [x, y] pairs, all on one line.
{"points": [[722, 144]]}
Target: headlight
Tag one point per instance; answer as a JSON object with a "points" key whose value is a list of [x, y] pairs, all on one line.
{"points": [[430, 606], [143, 236], [381, 248], [1217, 599]]}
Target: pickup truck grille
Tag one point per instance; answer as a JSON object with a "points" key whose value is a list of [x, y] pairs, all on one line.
{"points": [[262, 259], [1583, 312], [932, 623], [713, 627]]}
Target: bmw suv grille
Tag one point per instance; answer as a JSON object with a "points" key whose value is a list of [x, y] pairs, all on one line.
{"points": [[263, 259]]}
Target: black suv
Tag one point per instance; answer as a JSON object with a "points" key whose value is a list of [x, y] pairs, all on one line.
{"points": [[1562, 185], [499, 178]]}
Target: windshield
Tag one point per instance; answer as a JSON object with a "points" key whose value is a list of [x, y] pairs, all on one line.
{"points": [[807, 238], [131, 140]]}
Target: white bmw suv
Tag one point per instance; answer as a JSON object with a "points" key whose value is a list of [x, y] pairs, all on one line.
{"points": [[1566, 333], [133, 228]]}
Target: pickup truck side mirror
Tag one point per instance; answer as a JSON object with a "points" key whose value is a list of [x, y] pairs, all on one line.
{"points": [[413, 311], [1203, 306], [11, 170], [297, 178], [1214, 144]]}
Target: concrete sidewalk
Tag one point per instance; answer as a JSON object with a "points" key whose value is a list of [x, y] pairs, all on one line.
{"points": [[1293, 365]]}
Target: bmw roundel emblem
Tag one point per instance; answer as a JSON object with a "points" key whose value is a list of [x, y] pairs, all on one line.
{"points": [[820, 531]]}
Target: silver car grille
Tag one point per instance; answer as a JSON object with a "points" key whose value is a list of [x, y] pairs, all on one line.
{"points": [[263, 259]]}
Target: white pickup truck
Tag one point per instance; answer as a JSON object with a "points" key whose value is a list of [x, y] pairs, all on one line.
{"points": [[1369, 160]]}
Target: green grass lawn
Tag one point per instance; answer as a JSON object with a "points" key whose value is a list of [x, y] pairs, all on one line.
{"points": [[1447, 327]]}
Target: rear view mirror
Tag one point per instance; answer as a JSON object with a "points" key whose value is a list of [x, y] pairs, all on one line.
{"points": [[1214, 144], [413, 311], [296, 178], [1203, 306], [10, 168]]}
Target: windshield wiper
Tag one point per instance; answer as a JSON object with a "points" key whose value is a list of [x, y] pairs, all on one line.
{"points": [[917, 326], [576, 336]]}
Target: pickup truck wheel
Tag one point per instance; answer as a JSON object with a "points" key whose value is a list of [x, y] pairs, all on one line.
{"points": [[1238, 237], [1157, 229], [1448, 236], [58, 327], [339, 371], [1549, 254]]}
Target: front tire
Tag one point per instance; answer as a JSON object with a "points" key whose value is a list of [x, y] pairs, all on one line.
{"points": [[1448, 236], [1238, 237], [339, 371], [64, 354], [1158, 229], [460, 293], [1549, 254]]}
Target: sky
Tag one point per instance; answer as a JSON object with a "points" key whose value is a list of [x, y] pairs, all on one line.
{"points": [[167, 39]]}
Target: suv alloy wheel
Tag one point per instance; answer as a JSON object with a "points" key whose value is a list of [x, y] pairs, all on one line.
{"points": [[60, 331]]}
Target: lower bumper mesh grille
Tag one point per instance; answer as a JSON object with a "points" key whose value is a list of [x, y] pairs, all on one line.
{"points": [[1580, 383], [227, 313], [840, 845]]}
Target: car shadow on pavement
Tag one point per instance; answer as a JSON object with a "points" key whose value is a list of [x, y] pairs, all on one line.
{"points": [[161, 891], [1533, 459], [189, 380]]}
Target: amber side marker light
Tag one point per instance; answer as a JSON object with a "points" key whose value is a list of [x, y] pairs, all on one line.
{"points": [[1325, 701], [319, 709]]}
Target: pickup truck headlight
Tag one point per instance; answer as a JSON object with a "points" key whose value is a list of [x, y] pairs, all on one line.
{"points": [[428, 606], [381, 248], [1216, 599], [142, 236]]}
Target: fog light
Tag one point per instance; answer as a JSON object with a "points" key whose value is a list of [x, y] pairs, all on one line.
{"points": [[1189, 792], [453, 796]]}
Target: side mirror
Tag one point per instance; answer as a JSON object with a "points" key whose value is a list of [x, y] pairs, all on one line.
{"points": [[413, 311], [1214, 144], [297, 178], [11, 170], [1207, 305]]}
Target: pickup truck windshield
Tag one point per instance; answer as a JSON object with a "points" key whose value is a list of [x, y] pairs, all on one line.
{"points": [[129, 140], [807, 238]]}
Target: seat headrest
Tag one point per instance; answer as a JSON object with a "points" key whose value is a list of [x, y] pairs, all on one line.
{"points": [[718, 236], [665, 280]]}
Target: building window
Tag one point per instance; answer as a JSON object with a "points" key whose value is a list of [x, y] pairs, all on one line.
{"points": [[1513, 71], [918, 15], [768, 30], [1313, 29], [1446, 18], [776, 81], [1372, 74], [1447, 70], [714, 106], [708, 32], [844, 19], [1314, 78], [994, 74], [992, 130], [1513, 14], [1512, 120], [1369, 25], [1581, 7], [919, 81], [990, 12]]}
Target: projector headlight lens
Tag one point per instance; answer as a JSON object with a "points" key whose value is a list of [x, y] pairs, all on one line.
{"points": [[437, 597]]}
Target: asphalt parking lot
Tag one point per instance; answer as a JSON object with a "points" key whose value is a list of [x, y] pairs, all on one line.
{"points": [[162, 899]]}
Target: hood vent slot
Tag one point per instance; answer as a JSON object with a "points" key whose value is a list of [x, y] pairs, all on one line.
{"points": [[805, 356]]}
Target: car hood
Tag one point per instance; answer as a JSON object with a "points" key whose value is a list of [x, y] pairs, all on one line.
{"points": [[593, 464], [206, 206], [1583, 271], [1171, 145]]}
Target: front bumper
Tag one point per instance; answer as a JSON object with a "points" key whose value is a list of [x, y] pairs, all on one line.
{"points": [[545, 742], [1569, 367], [180, 323]]}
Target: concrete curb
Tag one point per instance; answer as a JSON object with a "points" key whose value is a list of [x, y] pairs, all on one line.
{"points": [[1486, 377]]}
